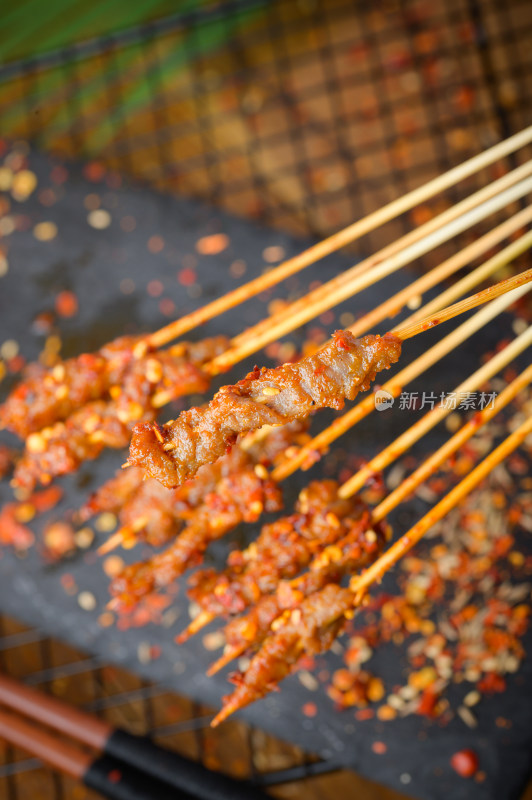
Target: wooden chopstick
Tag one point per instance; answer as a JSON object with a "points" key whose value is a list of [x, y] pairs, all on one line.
{"points": [[113, 779], [162, 766]]}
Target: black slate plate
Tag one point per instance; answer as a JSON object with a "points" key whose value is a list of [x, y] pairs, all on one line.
{"points": [[93, 263]]}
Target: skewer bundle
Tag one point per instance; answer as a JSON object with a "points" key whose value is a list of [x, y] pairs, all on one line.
{"points": [[288, 583]]}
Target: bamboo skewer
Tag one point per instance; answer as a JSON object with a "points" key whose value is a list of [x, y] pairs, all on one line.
{"points": [[394, 385], [229, 654], [121, 536], [360, 584], [405, 332], [507, 291], [433, 462], [407, 439], [389, 259], [250, 342], [347, 235], [501, 259], [416, 431], [395, 304], [200, 621]]}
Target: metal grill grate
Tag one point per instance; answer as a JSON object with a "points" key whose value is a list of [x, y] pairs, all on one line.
{"points": [[305, 115]]}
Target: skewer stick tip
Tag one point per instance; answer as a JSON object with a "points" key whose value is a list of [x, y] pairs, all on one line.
{"points": [[222, 715], [199, 622], [122, 534], [467, 304], [112, 543], [229, 655]]}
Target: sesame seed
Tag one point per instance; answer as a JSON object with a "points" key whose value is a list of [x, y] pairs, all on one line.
{"points": [[45, 231], [467, 717], [472, 698], [105, 522], [193, 610], [308, 680], [214, 640], [154, 370], [24, 183], [99, 219], [9, 349], [6, 179], [83, 538], [213, 244], [87, 601], [273, 253]]}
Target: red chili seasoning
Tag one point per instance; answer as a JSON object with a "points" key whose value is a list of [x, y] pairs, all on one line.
{"points": [[94, 171], [187, 276], [66, 304], [364, 713], [427, 703], [465, 763], [310, 709]]}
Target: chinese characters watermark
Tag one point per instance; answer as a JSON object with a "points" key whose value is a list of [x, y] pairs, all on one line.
{"points": [[418, 401]]}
